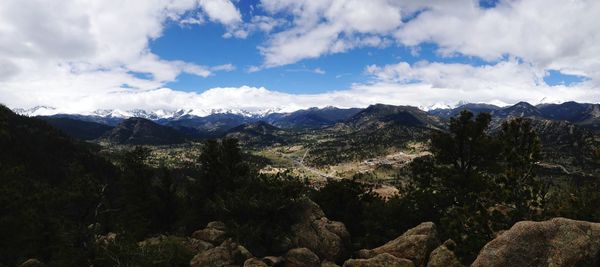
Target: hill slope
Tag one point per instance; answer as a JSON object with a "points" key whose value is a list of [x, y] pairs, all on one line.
{"points": [[50, 190], [311, 118], [138, 131], [78, 129], [259, 134]]}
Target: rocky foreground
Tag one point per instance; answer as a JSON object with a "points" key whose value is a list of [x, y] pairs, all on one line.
{"points": [[318, 241]]}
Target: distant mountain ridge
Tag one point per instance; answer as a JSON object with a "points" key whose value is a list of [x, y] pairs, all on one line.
{"points": [[221, 122], [139, 131], [578, 113], [147, 114], [313, 117]]}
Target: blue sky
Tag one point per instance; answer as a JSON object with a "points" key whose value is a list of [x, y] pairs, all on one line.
{"points": [[290, 54], [204, 44]]}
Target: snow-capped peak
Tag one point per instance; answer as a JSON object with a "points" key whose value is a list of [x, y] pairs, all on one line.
{"points": [[36, 111], [150, 114], [436, 106]]}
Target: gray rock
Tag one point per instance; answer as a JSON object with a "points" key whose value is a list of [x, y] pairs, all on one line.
{"points": [[217, 225], [301, 257], [365, 254], [415, 244], [272, 260], [381, 260], [327, 263], [254, 262], [228, 253], [211, 235], [198, 245], [314, 231], [556, 242], [443, 256]]}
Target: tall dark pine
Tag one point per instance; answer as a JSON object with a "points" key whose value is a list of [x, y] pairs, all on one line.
{"points": [[520, 152], [467, 148]]}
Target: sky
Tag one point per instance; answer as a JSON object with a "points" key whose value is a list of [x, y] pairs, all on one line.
{"points": [[83, 55]]}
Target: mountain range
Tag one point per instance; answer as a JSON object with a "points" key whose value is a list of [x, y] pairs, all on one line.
{"points": [[186, 124]]}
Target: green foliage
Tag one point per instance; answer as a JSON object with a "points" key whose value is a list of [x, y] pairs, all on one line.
{"points": [[50, 189], [259, 212], [58, 196], [578, 201], [256, 207], [159, 251], [370, 219], [520, 152], [476, 184], [468, 151], [339, 146]]}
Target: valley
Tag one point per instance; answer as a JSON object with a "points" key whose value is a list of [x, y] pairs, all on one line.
{"points": [[380, 170], [373, 143]]}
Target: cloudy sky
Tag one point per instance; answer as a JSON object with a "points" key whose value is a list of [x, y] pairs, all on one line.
{"points": [[82, 55]]}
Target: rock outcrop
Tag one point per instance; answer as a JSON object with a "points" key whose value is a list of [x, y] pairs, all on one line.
{"points": [[328, 239], [381, 260], [443, 256], [215, 250], [214, 233], [556, 242], [301, 257], [227, 254], [254, 262], [415, 245], [327, 263]]}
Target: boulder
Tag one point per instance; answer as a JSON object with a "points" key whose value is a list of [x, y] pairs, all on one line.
{"points": [[365, 254], [217, 225], [314, 231], [272, 260], [556, 242], [443, 256], [301, 257], [327, 263], [254, 262], [415, 244], [381, 260], [32, 263], [198, 245], [228, 253], [211, 235]]}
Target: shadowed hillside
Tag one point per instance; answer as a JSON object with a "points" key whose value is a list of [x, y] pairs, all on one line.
{"points": [[138, 131]]}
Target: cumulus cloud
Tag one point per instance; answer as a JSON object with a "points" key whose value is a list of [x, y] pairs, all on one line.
{"points": [[71, 49], [222, 11], [80, 55], [550, 34], [327, 27], [423, 84], [503, 83]]}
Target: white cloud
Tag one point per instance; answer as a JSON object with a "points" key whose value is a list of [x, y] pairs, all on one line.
{"points": [[550, 34], [327, 27], [222, 11], [57, 51], [80, 55], [422, 84], [505, 82]]}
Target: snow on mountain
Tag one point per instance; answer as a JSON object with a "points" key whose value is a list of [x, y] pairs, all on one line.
{"points": [[36, 111], [436, 106], [149, 114]]}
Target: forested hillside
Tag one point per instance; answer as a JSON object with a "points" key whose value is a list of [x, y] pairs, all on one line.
{"points": [[68, 203]]}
